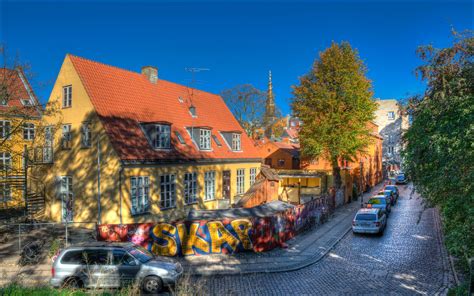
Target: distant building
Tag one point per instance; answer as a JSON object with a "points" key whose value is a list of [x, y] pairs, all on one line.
{"points": [[270, 112], [391, 124]]}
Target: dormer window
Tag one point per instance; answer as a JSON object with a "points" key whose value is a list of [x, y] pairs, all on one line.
{"points": [[159, 135], [26, 102], [236, 142], [233, 140], [204, 139]]}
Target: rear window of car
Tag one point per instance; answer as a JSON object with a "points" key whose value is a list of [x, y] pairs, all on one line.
{"points": [[72, 257], [377, 201], [365, 217]]}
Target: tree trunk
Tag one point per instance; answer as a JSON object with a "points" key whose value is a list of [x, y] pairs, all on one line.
{"points": [[336, 172]]}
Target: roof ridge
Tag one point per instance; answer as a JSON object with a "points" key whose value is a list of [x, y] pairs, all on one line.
{"points": [[136, 73]]}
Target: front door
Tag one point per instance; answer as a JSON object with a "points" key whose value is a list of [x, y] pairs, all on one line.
{"points": [[226, 184]]}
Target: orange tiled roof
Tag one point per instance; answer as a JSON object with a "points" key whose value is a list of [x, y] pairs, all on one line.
{"points": [[18, 90], [124, 99]]}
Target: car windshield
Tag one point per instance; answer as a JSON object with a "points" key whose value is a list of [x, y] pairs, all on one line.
{"points": [[140, 253], [366, 217], [377, 201]]}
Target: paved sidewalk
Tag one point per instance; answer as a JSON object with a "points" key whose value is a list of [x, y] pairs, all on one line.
{"points": [[303, 250]]}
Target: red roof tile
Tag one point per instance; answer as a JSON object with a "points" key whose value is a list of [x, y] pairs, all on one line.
{"points": [[17, 89], [124, 99]]}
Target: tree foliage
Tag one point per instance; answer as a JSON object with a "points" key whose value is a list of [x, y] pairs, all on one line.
{"points": [[334, 101], [439, 151]]}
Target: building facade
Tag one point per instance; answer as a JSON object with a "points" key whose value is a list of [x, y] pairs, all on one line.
{"points": [[133, 147], [391, 123], [20, 126]]}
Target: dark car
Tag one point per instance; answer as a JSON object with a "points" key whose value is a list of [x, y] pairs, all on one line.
{"points": [[388, 193], [394, 189], [401, 179]]}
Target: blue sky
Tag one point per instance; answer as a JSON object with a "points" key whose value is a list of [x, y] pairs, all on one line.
{"points": [[238, 41]]}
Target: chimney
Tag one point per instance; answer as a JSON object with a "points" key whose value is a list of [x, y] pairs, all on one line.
{"points": [[151, 73]]}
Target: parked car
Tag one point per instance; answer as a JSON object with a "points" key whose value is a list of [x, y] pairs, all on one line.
{"points": [[389, 194], [380, 202], [371, 220], [394, 189], [113, 265], [401, 179]]}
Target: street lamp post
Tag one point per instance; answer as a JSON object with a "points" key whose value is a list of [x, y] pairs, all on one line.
{"points": [[360, 184]]}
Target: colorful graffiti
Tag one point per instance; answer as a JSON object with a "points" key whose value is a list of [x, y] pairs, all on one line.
{"points": [[224, 236]]}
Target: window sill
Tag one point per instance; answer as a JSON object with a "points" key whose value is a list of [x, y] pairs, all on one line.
{"points": [[141, 213], [191, 203], [206, 200], [169, 208], [66, 107]]}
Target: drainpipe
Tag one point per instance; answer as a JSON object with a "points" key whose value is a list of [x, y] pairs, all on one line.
{"points": [[98, 183], [120, 192]]}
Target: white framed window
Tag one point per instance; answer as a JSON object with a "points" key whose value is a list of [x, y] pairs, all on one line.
{"points": [[240, 181], [4, 102], [67, 96], [236, 142], [5, 129], [66, 136], [190, 188], [86, 135], [253, 175], [65, 187], [5, 192], [28, 131], [167, 191], [391, 115], [210, 185], [204, 139], [162, 136], [48, 144], [5, 161], [140, 194]]}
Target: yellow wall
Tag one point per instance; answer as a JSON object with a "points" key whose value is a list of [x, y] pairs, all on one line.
{"points": [[15, 146], [81, 165]]}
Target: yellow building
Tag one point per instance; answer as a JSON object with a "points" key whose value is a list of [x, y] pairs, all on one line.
{"points": [[132, 147], [20, 125]]}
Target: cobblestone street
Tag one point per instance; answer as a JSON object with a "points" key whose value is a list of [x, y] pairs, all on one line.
{"points": [[408, 259]]}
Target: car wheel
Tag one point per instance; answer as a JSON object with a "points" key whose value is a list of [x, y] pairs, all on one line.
{"points": [[152, 285], [72, 283]]}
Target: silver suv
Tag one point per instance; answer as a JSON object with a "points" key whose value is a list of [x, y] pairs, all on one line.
{"points": [[369, 221], [113, 265]]}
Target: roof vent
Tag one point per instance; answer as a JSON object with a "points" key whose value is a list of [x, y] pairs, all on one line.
{"points": [[151, 73], [192, 110]]}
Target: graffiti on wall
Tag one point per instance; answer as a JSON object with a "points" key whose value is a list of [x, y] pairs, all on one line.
{"points": [[223, 236]]}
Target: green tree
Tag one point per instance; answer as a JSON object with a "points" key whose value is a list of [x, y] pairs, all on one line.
{"points": [[334, 101], [439, 150]]}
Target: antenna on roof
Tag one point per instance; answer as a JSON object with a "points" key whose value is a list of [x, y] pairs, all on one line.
{"points": [[193, 81]]}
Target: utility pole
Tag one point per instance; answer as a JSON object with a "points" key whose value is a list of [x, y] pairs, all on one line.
{"points": [[98, 182]]}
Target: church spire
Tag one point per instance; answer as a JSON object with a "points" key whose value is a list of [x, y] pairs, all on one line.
{"points": [[269, 108]]}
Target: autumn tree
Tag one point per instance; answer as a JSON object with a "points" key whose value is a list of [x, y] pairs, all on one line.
{"points": [[439, 144], [247, 103], [334, 101]]}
